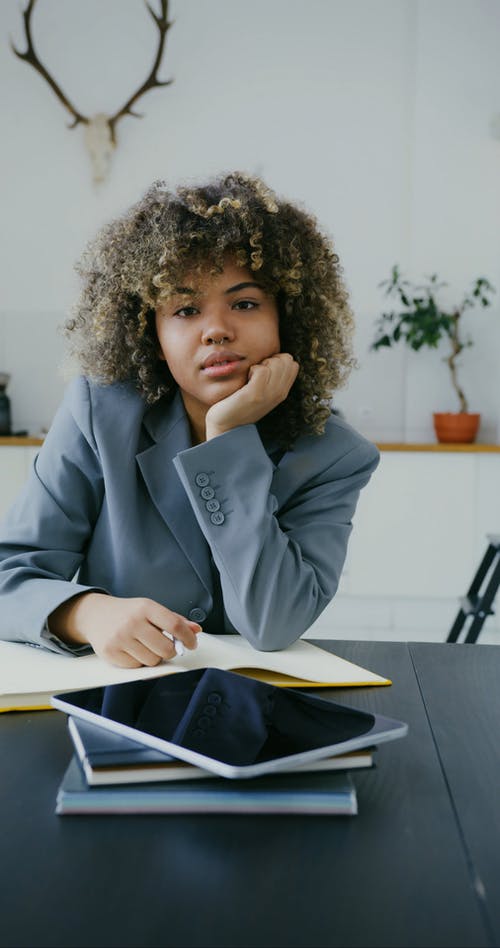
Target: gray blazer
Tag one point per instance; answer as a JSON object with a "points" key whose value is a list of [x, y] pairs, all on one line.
{"points": [[232, 533]]}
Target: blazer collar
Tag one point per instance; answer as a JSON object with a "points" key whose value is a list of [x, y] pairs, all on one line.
{"points": [[167, 425], [168, 428], [165, 415]]}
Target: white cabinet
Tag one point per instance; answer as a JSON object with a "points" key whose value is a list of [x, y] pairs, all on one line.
{"points": [[419, 533], [15, 462], [420, 524]]}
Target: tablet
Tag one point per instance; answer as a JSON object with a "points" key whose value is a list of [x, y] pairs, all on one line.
{"points": [[228, 724]]}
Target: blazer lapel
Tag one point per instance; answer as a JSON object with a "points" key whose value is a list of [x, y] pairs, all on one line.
{"points": [[168, 427]]}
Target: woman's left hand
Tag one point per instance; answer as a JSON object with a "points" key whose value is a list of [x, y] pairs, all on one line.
{"points": [[269, 383]]}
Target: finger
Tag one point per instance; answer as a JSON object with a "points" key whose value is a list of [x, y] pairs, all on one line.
{"points": [[279, 358], [275, 375], [180, 627], [287, 363], [123, 660], [259, 368], [139, 651], [292, 371], [161, 642], [289, 367], [276, 368], [178, 646], [260, 375]]}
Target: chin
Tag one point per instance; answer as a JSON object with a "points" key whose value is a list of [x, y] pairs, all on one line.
{"points": [[223, 389]]}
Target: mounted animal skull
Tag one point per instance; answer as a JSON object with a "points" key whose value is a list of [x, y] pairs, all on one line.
{"points": [[100, 129], [100, 145]]}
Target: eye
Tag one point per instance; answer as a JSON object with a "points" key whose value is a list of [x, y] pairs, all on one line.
{"points": [[245, 304], [186, 311]]}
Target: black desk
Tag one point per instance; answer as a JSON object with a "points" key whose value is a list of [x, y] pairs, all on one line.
{"points": [[419, 865]]}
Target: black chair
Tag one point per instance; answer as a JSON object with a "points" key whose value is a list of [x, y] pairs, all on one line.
{"points": [[476, 604]]}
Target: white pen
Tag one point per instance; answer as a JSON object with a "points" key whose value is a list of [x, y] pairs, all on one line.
{"points": [[179, 648]]}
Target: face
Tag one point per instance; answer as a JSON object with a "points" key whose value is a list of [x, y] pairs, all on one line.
{"points": [[211, 334]]}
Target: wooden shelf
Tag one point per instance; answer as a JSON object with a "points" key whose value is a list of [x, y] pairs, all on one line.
{"points": [[381, 445], [457, 448], [25, 442]]}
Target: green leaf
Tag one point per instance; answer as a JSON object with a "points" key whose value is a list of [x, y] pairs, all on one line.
{"points": [[383, 341], [421, 321]]}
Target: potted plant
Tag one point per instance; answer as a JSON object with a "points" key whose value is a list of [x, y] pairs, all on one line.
{"points": [[421, 321]]}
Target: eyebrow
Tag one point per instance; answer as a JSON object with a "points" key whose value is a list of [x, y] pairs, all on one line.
{"points": [[232, 289], [243, 286]]}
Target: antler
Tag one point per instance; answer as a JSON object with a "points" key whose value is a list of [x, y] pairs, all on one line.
{"points": [[31, 57], [152, 82], [100, 136]]}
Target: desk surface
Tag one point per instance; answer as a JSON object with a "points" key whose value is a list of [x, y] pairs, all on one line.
{"points": [[419, 866]]}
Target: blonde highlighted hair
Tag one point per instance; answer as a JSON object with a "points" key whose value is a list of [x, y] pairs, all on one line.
{"points": [[137, 260]]}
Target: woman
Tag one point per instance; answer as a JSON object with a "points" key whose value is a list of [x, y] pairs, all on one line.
{"points": [[195, 476]]}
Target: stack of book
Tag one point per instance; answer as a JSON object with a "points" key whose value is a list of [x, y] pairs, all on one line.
{"points": [[110, 773]]}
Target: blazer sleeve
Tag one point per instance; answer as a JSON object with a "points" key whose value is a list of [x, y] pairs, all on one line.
{"points": [[45, 532], [278, 568]]}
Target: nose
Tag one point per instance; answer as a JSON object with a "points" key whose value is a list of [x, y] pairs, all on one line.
{"points": [[218, 328]]}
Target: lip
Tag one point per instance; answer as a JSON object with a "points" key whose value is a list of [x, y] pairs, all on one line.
{"points": [[221, 369], [225, 356]]}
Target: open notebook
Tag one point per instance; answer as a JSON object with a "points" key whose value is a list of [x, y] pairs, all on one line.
{"points": [[30, 675]]}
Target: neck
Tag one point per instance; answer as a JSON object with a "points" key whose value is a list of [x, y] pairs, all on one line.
{"points": [[197, 436], [196, 415]]}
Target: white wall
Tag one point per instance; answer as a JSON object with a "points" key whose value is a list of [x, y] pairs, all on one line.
{"points": [[374, 113]]}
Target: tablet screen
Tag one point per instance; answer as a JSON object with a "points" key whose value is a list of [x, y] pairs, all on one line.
{"points": [[226, 717]]}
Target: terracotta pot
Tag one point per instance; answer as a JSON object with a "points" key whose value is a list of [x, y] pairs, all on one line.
{"points": [[456, 427]]}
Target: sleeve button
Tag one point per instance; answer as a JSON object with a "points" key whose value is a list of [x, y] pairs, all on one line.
{"points": [[202, 479], [212, 505], [217, 518], [207, 493], [197, 615]]}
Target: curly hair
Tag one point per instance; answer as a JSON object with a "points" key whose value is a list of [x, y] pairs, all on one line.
{"points": [[137, 260]]}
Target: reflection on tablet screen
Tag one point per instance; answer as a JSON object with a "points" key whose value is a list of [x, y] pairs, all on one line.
{"points": [[226, 716]]}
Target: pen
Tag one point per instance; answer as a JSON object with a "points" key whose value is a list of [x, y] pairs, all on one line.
{"points": [[179, 648]]}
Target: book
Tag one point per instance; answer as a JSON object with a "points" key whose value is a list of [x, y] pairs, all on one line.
{"points": [[107, 759], [29, 675], [311, 793]]}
